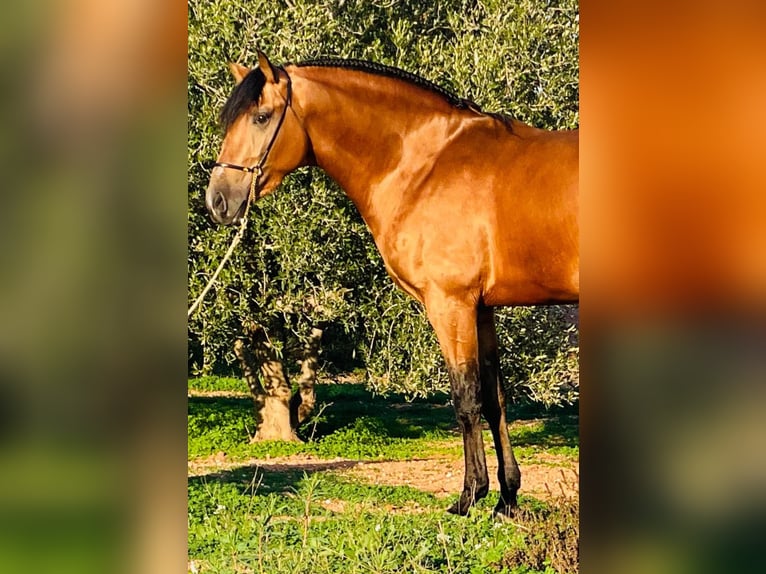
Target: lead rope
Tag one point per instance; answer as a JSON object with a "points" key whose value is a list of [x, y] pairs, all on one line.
{"points": [[234, 242]]}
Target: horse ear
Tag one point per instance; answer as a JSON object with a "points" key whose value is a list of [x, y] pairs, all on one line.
{"points": [[266, 67], [238, 71]]}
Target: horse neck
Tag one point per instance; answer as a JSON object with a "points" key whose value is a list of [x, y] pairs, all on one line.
{"points": [[362, 127]]}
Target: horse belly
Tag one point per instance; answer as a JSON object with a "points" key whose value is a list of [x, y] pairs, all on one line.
{"points": [[534, 238], [534, 260], [528, 291], [532, 277]]}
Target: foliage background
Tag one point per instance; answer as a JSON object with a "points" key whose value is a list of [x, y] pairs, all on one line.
{"points": [[307, 258]]}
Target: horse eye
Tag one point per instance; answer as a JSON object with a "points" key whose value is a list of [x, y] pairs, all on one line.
{"points": [[261, 118]]}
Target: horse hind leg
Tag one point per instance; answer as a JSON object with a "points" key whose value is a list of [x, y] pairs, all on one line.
{"points": [[455, 326], [493, 409]]}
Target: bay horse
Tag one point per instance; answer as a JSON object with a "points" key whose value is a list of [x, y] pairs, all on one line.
{"points": [[469, 210]]}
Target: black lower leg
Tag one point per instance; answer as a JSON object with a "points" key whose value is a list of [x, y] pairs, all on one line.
{"points": [[466, 397], [493, 409]]}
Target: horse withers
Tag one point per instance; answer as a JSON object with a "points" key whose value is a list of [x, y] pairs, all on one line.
{"points": [[469, 210]]}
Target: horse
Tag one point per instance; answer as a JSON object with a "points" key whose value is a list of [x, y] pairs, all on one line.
{"points": [[469, 210]]}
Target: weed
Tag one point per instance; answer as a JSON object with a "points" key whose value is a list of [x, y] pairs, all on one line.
{"points": [[551, 539]]}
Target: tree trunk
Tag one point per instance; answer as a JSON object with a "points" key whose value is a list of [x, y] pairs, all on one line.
{"points": [[304, 399], [278, 412]]}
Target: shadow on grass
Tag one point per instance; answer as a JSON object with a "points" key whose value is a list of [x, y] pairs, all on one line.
{"points": [[561, 430], [340, 405], [263, 479], [402, 418], [424, 417], [201, 403]]}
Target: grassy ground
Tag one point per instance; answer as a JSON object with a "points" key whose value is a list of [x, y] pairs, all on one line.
{"points": [[250, 516]]}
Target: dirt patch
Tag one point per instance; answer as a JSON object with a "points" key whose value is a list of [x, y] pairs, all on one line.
{"points": [[552, 477], [444, 477]]}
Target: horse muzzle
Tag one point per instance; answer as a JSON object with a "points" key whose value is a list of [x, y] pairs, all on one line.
{"points": [[221, 206]]}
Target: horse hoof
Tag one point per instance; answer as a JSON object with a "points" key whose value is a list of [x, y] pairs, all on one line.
{"points": [[459, 509], [503, 512]]}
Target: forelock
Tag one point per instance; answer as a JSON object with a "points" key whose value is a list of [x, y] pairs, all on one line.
{"points": [[244, 95]]}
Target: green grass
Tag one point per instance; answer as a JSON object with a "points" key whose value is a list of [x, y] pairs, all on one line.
{"points": [[356, 424], [279, 519], [237, 524], [213, 383]]}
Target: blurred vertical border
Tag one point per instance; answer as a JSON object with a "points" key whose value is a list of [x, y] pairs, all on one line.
{"points": [[93, 288], [673, 347]]}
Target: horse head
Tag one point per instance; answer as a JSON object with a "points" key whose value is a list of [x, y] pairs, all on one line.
{"points": [[264, 140]]}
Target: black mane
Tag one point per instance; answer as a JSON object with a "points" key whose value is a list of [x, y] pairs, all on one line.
{"points": [[244, 95], [249, 90], [390, 72]]}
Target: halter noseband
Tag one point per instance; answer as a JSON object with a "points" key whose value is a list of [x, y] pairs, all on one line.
{"points": [[257, 170]]}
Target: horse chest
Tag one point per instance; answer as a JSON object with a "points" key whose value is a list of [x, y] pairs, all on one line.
{"points": [[402, 256]]}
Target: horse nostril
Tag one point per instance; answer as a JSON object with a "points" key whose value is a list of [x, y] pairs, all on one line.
{"points": [[219, 203]]}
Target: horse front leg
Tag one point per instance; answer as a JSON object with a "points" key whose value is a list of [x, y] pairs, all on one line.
{"points": [[466, 397], [455, 324]]}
